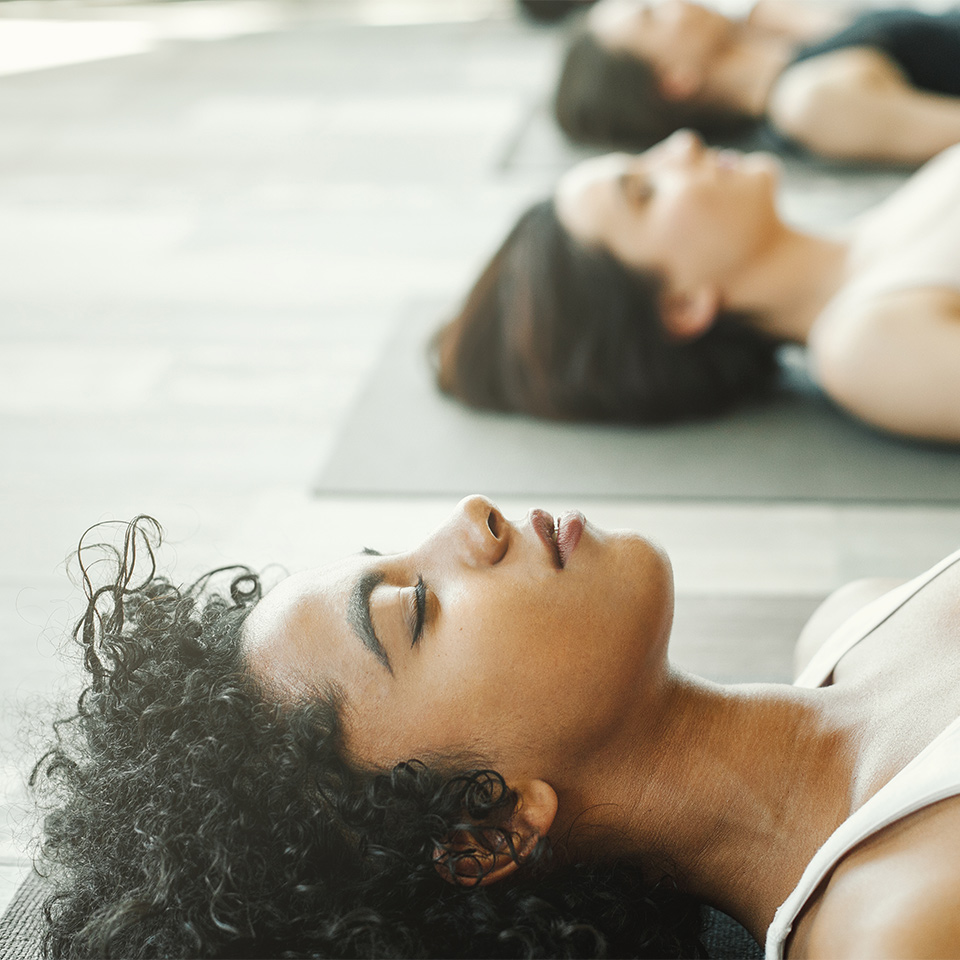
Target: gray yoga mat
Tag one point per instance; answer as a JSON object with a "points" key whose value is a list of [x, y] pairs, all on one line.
{"points": [[404, 438]]}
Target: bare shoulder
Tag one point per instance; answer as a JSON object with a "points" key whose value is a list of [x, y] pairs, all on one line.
{"points": [[838, 69], [891, 360], [924, 924], [811, 95], [838, 607], [895, 896], [870, 328]]}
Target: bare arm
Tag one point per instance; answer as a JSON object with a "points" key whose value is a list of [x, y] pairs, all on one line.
{"points": [[927, 927], [897, 367], [893, 897], [854, 104]]}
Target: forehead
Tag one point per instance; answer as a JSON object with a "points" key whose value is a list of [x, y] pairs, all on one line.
{"points": [[302, 623], [582, 197]]}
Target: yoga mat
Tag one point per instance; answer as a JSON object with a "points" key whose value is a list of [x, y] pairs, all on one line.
{"points": [[403, 437]]}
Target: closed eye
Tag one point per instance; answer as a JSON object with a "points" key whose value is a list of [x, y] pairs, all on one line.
{"points": [[635, 189], [419, 610]]}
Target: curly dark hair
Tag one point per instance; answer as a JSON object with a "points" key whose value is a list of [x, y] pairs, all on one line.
{"points": [[613, 97], [557, 330], [191, 815]]}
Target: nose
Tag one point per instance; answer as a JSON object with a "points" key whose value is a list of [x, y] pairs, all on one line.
{"points": [[684, 145], [482, 531]]}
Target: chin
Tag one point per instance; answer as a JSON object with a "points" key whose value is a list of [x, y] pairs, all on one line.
{"points": [[653, 594], [763, 164], [761, 182], [643, 557]]}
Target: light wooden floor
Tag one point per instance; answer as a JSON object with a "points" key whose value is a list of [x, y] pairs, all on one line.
{"points": [[202, 247]]}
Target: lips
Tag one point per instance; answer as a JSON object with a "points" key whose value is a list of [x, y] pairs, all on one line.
{"points": [[569, 529], [545, 529], [560, 537], [728, 159]]}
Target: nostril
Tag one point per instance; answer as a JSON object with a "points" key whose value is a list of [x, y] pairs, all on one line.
{"points": [[493, 522]]}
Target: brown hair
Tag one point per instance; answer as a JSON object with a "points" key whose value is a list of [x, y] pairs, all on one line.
{"points": [[549, 11], [557, 330], [608, 96]]}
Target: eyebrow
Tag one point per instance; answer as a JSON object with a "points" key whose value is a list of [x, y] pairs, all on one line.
{"points": [[358, 614]]}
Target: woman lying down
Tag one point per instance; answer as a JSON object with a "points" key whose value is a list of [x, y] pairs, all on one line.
{"points": [[658, 287], [480, 747]]}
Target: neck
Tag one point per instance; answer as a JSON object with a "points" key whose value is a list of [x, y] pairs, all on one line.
{"points": [[787, 286], [745, 783], [745, 70]]}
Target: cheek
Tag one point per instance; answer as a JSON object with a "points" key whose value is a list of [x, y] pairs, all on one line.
{"points": [[516, 682], [507, 683], [680, 241], [448, 700], [700, 230], [368, 702]]}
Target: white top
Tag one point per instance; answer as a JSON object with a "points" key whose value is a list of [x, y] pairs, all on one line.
{"points": [[911, 240], [933, 775]]}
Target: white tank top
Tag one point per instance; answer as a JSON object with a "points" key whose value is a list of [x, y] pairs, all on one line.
{"points": [[934, 774], [931, 259]]}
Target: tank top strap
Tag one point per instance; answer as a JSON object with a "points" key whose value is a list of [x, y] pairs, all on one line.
{"points": [[932, 775], [863, 623]]}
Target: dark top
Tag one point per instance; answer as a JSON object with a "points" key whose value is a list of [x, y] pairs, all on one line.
{"points": [[925, 46]]}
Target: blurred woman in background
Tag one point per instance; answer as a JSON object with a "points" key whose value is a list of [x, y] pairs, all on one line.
{"points": [[657, 287], [883, 86]]}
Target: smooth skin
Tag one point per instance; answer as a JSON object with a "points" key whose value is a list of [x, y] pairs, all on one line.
{"points": [[708, 221], [560, 678], [852, 104]]}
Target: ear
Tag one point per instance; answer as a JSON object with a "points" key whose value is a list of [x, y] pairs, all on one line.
{"points": [[688, 316], [679, 83], [536, 809]]}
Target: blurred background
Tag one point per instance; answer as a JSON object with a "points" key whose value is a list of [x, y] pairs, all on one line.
{"points": [[213, 213]]}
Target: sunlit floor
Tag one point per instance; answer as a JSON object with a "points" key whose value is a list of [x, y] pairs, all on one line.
{"points": [[211, 215]]}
